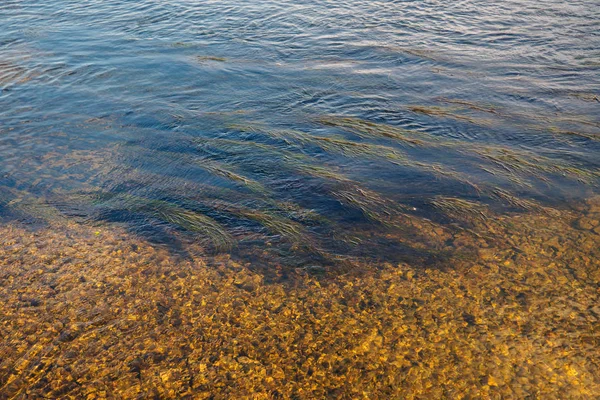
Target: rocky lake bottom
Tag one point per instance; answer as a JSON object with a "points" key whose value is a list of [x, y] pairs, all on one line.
{"points": [[93, 312]]}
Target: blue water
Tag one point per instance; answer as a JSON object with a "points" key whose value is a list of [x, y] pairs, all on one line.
{"points": [[208, 120]]}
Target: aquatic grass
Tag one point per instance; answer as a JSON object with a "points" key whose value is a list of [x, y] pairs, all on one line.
{"points": [[202, 59], [558, 131], [586, 96], [513, 161], [501, 173], [575, 120], [437, 169], [187, 196], [331, 144], [526, 118], [179, 213], [514, 164], [354, 149], [182, 44], [247, 148], [225, 171], [291, 137], [523, 162], [348, 192], [215, 213], [327, 174], [548, 122], [261, 158], [95, 204], [471, 105], [433, 143], [544, 122], [422, 53], [342, 188], [521, 203], [138, 180], [369, 203], [185, 219], [194, 222], [425, 54], [371, 130], [275, 218], [448, 112], [218, 168], [293, 161], [460, 209], [190, 192], [15, 74], [285, 227], [443, 171], [296, 212]]}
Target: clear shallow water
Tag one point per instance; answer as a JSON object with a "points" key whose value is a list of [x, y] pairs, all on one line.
{"points": [[313, 132]]}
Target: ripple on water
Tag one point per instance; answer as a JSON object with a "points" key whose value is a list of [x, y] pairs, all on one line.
{"points": [[289, 123]]}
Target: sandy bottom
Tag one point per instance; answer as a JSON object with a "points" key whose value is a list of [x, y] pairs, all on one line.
{"points": [[94, 313]]}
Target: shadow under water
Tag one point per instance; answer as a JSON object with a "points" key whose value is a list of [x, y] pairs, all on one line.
{"points": [[283, 196]]}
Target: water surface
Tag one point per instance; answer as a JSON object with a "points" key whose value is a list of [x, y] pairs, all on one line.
{"points": [[304, 134], [333, 199]]}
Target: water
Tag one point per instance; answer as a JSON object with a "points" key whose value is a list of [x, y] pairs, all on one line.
{"points": [[333, 199], [303, 134]]}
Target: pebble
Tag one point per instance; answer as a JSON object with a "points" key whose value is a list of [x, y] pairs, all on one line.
{"points": [[504, 320]]}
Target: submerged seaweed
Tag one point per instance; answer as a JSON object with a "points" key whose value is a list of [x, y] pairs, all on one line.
{"points": [[372, 130], [448, 112], [461, 209], [164, 211], [515, 162], [299, 190]]}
